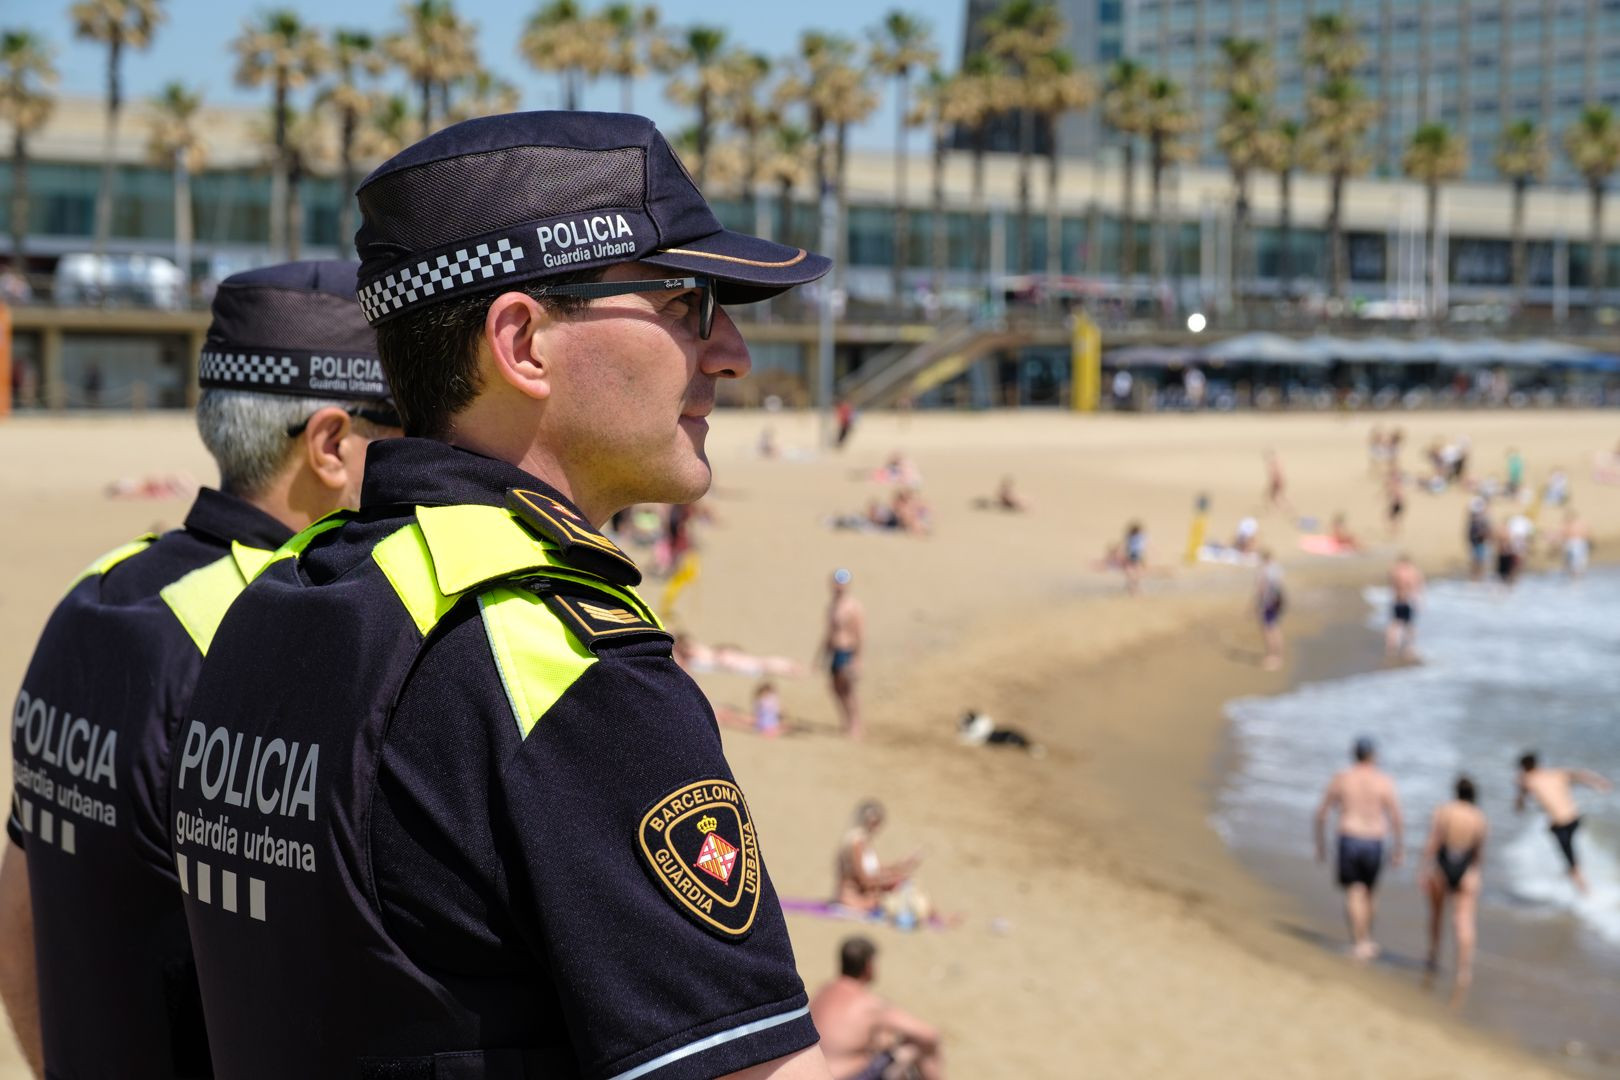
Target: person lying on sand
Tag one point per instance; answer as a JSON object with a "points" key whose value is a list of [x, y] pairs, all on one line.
{"points": [[906, 512], [863, 1036], [697, 657], [1553, 791]]}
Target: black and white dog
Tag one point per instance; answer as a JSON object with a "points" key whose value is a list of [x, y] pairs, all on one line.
{"points": [[977, 729]]}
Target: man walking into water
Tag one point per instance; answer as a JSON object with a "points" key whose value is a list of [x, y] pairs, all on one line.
{"points": [[841, 647], [1553, 790], [1406, 585], [1363, 797]]}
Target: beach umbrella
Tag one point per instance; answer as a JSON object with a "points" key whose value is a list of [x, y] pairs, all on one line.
{"points": [[1263, 348], [1150, 356]]}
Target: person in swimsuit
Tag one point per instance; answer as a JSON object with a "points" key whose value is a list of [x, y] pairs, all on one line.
{"points": [[1553, 791], [1406, 589], [865, 882], [1363, 797], [1577, 542], [1135, 549], [1455, 857], [841, 645], [1269, 603], [1394, 498], [863, 1036]]}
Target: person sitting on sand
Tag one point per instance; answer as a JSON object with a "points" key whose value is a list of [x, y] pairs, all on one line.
{"points": [[1363, 797], [898, 470], [1454, 861], [865, 883], [1553, 790], [1342, 537], [1005, 498], [1248, 531], [766, 718], [864, 1037]]}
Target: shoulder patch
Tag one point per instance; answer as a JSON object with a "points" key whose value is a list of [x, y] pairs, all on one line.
{"points": [[593, 615], [579, 544], [699, 844]]}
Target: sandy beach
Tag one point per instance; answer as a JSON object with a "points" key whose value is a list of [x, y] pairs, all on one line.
{"points": [[1105, 930]]}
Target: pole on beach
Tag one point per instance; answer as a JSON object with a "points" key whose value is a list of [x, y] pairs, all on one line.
{"points": [[824, 343]]}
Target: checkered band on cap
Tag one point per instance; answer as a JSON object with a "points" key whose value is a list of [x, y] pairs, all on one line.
{"points": [[247, 369], [484, 262]]}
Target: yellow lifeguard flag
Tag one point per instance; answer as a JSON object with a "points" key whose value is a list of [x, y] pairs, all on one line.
{"points": [[1085, 353]]}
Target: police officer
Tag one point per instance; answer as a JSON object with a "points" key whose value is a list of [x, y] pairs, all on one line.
{"points": [[446, 806], [292, 394]]}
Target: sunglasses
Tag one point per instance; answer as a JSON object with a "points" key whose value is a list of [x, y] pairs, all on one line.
{"points": [[382, 416], [595, 290]]}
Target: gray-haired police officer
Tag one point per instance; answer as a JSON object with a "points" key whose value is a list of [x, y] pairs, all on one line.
{"points": [[292, 395], [447, 807]]}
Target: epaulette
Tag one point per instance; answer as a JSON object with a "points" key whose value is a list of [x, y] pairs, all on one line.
{"points": [[594, 615], [577, 542]]}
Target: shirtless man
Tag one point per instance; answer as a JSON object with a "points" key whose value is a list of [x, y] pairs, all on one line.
{"points": [[841, 646], [1406, 583], [863, 1036], [1553, 791], [1454, 861], [1364, 798]]}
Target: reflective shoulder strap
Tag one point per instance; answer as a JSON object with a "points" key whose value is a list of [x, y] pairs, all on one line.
{"points": [[113, 558], [250, 560], [404, 560], [201, 598], [538, 658]]}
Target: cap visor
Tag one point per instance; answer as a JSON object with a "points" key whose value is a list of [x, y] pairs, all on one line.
{"points": [[748, 268]]}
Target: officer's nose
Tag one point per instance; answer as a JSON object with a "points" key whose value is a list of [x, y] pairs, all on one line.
{"points": [[725, 354]]}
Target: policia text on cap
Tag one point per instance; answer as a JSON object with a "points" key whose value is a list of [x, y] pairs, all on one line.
{"points": [[292, 394], [443, 805]]}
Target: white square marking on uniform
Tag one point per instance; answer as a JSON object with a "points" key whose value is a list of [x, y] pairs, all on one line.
{"points": [[227, 889], [47, 826], [28, 816], [205, 882], [256, 898], [69, 838], [180, 865]]}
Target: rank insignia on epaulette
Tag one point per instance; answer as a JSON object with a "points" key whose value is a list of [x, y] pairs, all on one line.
{"points": [[580, 544], [593, 616], [699, 844]]}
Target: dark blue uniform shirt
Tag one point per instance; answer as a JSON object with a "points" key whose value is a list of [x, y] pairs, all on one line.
{"points": [[109, 682]]}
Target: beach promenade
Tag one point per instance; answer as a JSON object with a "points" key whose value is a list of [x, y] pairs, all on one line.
{"points": [[1104, 931]]}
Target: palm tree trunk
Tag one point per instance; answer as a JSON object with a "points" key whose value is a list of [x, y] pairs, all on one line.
{"points": [[938, 239], [841, 191], [1595, 274], [278, 175], [1240, 237], [19, 200], [570, 91], [705, 119], [1156, 251], [1431, 251], [345, 239], [1520, 184], [1026, 163], [1336, 234], [785, 212], [115, 102], [1127, 214], [1054, 221], [901, 225], [626, 95], [427, 107], [981, 223], [295, 209], [182, 221], [1285, 233]]}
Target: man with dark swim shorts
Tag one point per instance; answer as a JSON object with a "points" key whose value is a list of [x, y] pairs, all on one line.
{"points": [[846, 631], [1406, 589], [1363, 797], [1553, 790]]}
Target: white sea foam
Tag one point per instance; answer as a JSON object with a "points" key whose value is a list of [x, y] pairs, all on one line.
{"points": [[1537, 667]]}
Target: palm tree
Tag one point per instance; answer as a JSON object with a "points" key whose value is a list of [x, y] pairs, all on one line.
{"points": [[752, 113], [354, 55], [1167, 119], [1017, 34], [698, 56], [1435, 154], [934, 109], [1338, 116], [27, 73], [1054, 89], [305, 148], [119, 25], [1247, 78], [434, 49], [787, 165], [281, 51], [629, 29], [1521, 158], [1593, 145], [386, 129], [901, 44], [835, 90], [173, 139], [1281, 149], [972, 98], [1124, 110], [482, 93], [561, 38]]}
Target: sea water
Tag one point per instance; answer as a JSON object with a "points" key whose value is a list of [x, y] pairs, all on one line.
{"points": [[1503, 671]]}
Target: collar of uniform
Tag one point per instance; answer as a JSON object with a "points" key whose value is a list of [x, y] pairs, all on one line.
{"points": [[228, 519], [427, 473]]}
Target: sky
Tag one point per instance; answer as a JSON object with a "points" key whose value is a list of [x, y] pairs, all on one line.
{"points": [[192, 45]]}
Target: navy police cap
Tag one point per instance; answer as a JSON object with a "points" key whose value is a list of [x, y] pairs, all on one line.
{"points": [[491, 202], [294, 328]]}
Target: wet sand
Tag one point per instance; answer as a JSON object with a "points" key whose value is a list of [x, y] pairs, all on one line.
{"points": [[1105, 931]]}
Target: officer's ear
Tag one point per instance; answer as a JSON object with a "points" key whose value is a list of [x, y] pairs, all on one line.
{"points": [[517, 333], [322, 446]]}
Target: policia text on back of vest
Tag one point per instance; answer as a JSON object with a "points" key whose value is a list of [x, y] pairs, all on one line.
{"points": [[447, 808], [102, 697]]}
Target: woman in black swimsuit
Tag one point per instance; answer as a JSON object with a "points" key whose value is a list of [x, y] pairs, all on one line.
{"points": [[1454, 857]]}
